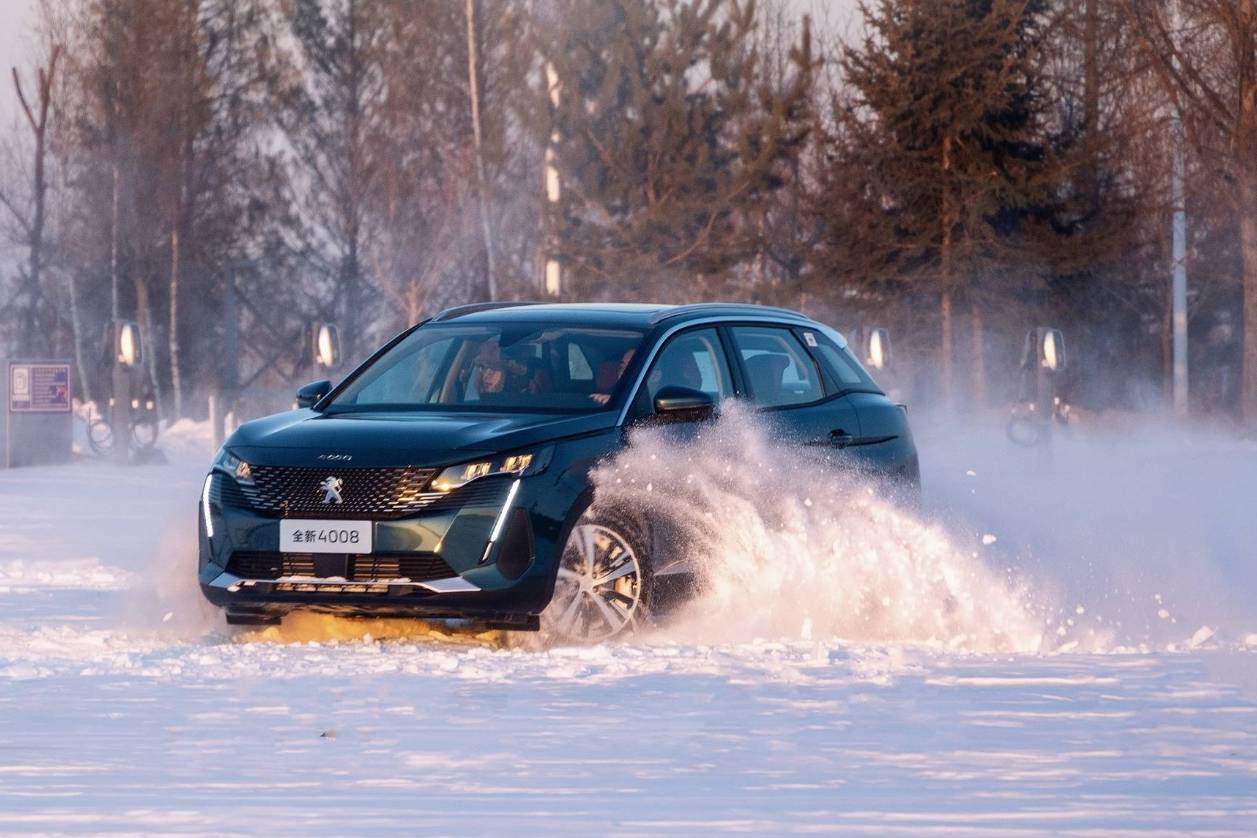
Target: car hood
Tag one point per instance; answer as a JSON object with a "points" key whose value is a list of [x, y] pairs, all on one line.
{"points": [[303, 437]]}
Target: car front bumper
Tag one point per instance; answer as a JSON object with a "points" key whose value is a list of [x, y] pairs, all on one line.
{"points": [[487, 554]]}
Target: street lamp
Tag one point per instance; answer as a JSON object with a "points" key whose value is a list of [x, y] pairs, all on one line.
{"points": [[326, 345]]}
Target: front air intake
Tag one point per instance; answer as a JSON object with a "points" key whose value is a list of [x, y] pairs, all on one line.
{"points": [[515, 552]]}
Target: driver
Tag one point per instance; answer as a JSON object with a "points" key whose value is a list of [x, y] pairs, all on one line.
{"points": [[609, 374], [510, 373]]}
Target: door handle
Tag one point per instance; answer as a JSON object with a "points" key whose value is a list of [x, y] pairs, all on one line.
{"points": [[840, 438]]}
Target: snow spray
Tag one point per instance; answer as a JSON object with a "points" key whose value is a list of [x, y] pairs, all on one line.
{"points": [[785, 547]]}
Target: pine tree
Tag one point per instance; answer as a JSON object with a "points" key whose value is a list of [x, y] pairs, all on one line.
{"points": [[332, 114], [938, 168], [667, 136]]}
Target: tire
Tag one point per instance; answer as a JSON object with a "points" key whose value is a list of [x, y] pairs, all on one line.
{"points": [[604, 586]]}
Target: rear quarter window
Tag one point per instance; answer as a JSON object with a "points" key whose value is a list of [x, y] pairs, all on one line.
{"points": [[841, 365]]}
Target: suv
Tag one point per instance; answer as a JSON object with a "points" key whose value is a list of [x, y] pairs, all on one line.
{"points": [[447, 477]]}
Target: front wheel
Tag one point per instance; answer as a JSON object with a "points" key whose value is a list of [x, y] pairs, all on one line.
{"points": [[604, 584]]}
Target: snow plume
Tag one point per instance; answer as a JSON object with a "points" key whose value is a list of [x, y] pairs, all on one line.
{"points": [[1138, 528], [785, 546]]}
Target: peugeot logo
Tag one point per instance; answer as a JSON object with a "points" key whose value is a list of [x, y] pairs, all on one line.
{"points": [[330, 487]]}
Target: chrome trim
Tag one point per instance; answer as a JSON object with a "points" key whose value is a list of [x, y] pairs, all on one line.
{"points": [[723, 319], [453, 584], [728, 310]]}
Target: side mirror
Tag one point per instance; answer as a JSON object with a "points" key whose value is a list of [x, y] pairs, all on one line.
{"points": [[681, 404], [877, 348], [326, 345], [309, 395]]}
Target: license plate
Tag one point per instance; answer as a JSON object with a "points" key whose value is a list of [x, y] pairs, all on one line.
{"points": [[296, 536]]}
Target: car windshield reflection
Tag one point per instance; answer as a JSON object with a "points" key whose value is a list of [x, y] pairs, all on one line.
{"points": [[510, 368]]}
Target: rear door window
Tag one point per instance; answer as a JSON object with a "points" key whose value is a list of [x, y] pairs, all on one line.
{"points": [[778, 370]]}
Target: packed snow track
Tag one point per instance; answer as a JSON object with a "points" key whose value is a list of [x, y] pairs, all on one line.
{"points": [[128, 708]]}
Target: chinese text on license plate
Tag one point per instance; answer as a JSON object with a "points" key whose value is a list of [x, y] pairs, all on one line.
{"points": [[297, 536]]}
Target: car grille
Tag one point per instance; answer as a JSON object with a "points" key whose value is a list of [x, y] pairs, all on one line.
{"points": [[375, 494], [416, 567]]}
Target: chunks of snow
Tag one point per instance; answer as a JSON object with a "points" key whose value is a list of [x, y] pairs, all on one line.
{"points": [[1201, 636]]}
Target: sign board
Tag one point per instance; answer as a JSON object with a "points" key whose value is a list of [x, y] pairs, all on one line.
{"points": [[39, 388], [37, 424]]}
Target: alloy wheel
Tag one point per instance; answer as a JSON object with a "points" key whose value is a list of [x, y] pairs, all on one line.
{"points": [[598, 592]]}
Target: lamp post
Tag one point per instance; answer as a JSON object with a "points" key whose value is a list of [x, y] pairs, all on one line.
{"points": [[126, 352], [325, 345]]}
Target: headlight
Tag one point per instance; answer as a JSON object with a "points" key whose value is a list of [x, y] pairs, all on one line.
{"points": [[233, 465], [527, 463]]}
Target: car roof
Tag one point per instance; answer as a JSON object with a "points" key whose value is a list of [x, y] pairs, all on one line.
{"points": [[636, 315]]}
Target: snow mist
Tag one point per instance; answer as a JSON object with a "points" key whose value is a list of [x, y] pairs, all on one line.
{"points": [[784, 546]]}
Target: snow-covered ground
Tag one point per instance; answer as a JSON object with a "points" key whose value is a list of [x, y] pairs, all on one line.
{"points": [[919, 708]]}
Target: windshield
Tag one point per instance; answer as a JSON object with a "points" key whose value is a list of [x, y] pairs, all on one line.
{"points": [[516, 367]]}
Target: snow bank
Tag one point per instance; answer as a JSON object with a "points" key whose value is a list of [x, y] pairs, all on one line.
{"points": [[188, 440]]}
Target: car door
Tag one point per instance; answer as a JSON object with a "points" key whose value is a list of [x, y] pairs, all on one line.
{"points": [[885, 443], [694, 359], [783, 380]]}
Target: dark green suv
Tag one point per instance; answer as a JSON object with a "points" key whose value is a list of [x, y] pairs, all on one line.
{"points": [[448, 476]]}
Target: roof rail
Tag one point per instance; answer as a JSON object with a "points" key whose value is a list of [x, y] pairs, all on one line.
{"points": [[747, 308], [472, 308]]}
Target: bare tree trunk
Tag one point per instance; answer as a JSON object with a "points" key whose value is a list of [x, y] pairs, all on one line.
{"points": [[412, 302], [1167, 345], [37, 119], [1248, 258], [176, 378], [76, 326], [1091, 98], [945, 348], [945, 279], [1246, 144], [474, 86], [148, 332], [979, 352], [113, 240], [1227, 101]]}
